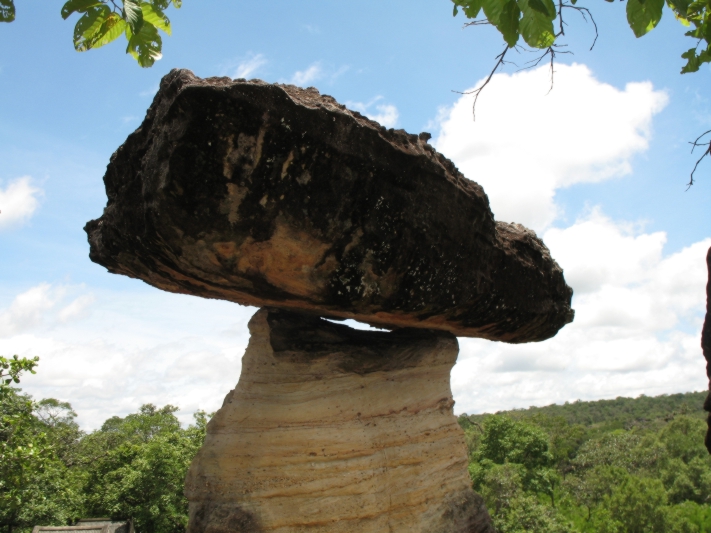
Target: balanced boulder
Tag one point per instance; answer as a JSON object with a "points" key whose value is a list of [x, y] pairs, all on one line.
{"points": [[272, 195]]}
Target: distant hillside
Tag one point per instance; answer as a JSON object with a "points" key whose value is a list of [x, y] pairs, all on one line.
{"points": [[620, 412]]}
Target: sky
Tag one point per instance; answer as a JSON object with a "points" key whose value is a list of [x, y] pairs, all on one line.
{"points": [[597, 166]]}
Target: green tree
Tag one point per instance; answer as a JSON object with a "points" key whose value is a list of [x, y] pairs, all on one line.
{"points": [[104, 21], [507, 440], [641, 505], [590, 489], [36, 487], [136, 468], [11, 369]]}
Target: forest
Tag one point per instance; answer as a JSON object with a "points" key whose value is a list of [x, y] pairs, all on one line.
{"points": [[609, 466]]}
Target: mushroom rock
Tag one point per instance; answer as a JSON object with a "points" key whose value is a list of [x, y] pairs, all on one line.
{"points": [[271, 195], [279, 197], [336, 430]]}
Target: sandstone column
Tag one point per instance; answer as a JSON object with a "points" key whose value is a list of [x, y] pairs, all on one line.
{"points": [[332, 429]]}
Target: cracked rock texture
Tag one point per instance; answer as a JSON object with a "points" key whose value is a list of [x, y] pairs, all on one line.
{"points": [[271, 195], [336, 430]]}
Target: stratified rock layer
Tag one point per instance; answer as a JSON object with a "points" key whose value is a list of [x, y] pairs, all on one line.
{"points": [[335, 430], [271, 195]]}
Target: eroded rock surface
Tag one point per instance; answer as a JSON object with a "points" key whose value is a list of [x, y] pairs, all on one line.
{"points": [[336, 430], [706, 347], [272, 195]]}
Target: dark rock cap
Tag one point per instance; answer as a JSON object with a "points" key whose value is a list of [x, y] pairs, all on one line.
{"points": [[272, 195]]}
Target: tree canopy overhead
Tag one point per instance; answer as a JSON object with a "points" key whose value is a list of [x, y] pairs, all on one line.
{"points": [[541, 25], [103, 21]]}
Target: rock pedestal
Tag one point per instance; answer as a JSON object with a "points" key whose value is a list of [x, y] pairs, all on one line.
{"points": [[279, 197], [332, 430]]}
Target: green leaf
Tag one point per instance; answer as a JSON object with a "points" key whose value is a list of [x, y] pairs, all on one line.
{"points": [[545, 7], [145, 46], [155, 16], [509, 22], [537, 27], [177, 4], [7, 10], [680, 7], [110, 30], [695, 8], [492, 10], [88, 27], [694, 60], [472, 8], [644, 17], [133, 15], [78, 6]]}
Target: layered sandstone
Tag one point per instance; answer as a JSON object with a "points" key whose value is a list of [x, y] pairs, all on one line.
{"points": [[271, 195], [335, 430]]}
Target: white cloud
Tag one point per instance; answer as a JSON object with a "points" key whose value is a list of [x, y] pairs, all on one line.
{"points": [[385, 114], [37, 307], [131, 349], [18, 202], [76, 309], [527, 142], [304, 77], [27, 310], [636, 330], [249, 66]]}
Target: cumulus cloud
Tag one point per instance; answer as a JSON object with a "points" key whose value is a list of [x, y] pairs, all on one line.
{"points": [[249, 66], [636, 330], [27, 309], [305, 77], [527, 142], [385, 114], [76, 309], [108, 353], [43, 305], [18, 202]]}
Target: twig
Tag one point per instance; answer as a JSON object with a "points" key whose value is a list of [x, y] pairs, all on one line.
{"points": [[483, 22], [562, 23], [707, 152], [582, 11], [551, 50], [476, 92]]}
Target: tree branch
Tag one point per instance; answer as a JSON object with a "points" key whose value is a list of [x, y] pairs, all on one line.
{"points": [[582, 11], [476, 92], [707, 152]]}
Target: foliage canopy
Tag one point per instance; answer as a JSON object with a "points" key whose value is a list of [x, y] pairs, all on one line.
{"points": [[103, 21]]}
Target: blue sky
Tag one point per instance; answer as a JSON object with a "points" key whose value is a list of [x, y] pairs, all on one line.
{"points": [[598, 167]]}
